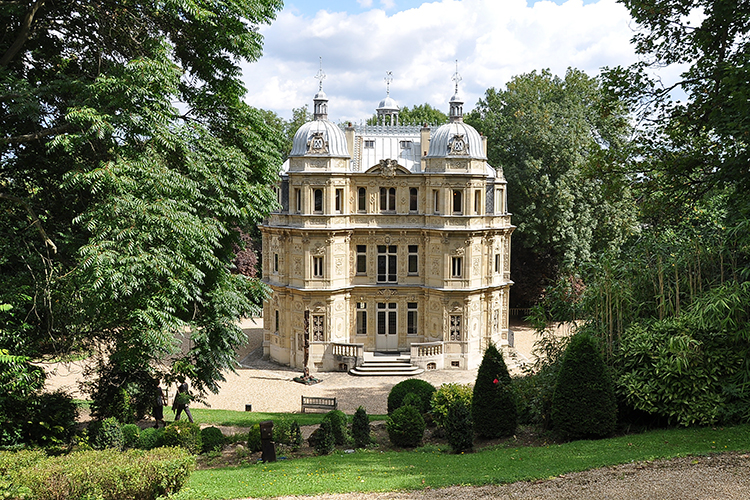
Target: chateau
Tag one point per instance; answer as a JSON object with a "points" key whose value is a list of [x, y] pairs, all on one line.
{"points": [[391, 239]]}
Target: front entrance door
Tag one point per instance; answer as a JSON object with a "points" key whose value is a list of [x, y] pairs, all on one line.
{"points": [[387, 336]]}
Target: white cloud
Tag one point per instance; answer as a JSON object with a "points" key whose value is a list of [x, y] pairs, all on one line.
{"points": [[365, 3], [493, 41]]}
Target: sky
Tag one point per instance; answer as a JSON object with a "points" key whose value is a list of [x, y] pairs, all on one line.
{"points": [[422, 43]]}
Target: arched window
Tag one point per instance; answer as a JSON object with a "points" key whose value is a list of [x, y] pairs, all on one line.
{"points": [[457, 202], [362, 200], [413, 199], [387, 199], [318, 201]]}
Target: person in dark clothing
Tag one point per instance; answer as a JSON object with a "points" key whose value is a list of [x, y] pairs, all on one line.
{"points": [[181, 402], [159, 403]]}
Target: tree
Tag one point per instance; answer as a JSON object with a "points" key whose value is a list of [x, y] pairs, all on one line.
{"points": [[121, 209], [493, 403], [421, 114], [554, 138]]}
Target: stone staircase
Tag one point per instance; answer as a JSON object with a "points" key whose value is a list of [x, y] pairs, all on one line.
{"points": [[386, 364]]}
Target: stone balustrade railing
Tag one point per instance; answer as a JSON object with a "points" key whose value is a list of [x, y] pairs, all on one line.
{"points": [[348, 350]]}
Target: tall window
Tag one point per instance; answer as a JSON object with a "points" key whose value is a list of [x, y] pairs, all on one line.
{"points": [[477, 201], [362, 200], [276, 322], [387, 318], [499, 201], [411, 318], [298, 201], [387, 263], [339, 200], [318, 328], [318, 201], [276, 263], [361, 259], [497, 262], [457, 202], [361, 318], [436, 201], [387, 199], [455, 327], [318, 267], [413, 267], [412, 199], [457, 265]]}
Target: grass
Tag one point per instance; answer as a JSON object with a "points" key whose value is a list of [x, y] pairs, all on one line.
{"points": [[370, 471], [250, 418]]}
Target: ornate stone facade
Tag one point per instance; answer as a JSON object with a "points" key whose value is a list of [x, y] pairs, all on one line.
{"points": [[398, 243]]}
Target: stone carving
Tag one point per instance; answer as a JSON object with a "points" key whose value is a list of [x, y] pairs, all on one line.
{"points": [[388, 168], [317, 143], [457, 145]]}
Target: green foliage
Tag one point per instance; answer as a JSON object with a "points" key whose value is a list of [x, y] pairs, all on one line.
{"points": [[416, 386], [150, 438], [324, 440], [493, 407], [108, 475], [287, 432], [673, 370], [583, 404], [446, 396], [534, 396], [361, 428], [254, 442], [339, 426], [212, 439], [459, 426], [124, 214], [184, 434], [131, 436], [406, 427], [420, 114], [108, 434]]}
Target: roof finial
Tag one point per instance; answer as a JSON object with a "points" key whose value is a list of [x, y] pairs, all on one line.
{"points": [[388, 79], [320, 76], [456, 77]]}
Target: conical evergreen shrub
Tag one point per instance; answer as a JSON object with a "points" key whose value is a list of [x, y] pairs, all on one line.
{"points": [[361, 428], [583, 404], [493, 405]]}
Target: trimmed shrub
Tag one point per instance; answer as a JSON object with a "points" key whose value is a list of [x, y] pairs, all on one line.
{"points": [[406, 427], [184, 434], [108, 434], [493, 407], [150, 438], [295, 436], [322, 439], [446, 396], [288, 432], [459, 428], [361, 428], [130, 435], [583, 405], [254, 442], [107, 475], [212, 439], [410, 386], [54, 418], [338, 426]]}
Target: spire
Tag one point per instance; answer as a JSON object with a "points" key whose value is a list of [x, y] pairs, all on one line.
{"points": [[388, 79], [320, 100], [456, 103]]}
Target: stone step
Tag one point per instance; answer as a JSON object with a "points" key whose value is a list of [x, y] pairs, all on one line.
{"points": [[402, 369]]}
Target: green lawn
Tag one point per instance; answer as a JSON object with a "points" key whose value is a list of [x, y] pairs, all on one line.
{"points": [[388, 471]]}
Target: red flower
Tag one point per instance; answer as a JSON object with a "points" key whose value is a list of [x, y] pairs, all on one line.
{"points": [[495, 381]]}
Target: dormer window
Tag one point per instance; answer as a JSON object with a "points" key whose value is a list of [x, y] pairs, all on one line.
{"points": [[370, 144], [406, 144]]}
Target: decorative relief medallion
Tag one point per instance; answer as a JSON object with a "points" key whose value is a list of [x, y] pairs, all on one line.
{"points": [[457, 145], [316, 164], [298, 267], [319, 251], [339, 266], [435, 267], [388, 168], [387, 292], [317, 143]]}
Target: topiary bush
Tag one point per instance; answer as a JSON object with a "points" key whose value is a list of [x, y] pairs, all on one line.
{"points": [[254, 442], [583, 404], [459, 427], [323, 440], [108, 434], [107, 475], [130, 435], [493, 407], [54, 418], [361, 428], [338, 426], [150, 438], [406, 427], [445, 397], [416, 386], [184, 434], [212, 439]]}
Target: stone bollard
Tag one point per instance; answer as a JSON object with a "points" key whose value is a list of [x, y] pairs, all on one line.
{"points": [[268, 453]]}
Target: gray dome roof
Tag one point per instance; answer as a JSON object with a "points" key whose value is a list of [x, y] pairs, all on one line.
{"points": [[388, 103], [331, 133], [440, 141]]}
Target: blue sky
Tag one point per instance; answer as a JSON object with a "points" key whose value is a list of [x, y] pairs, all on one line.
{"points": [[420, 42]]}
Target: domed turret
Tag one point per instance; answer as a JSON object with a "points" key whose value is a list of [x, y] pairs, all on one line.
{"points": [[388, 108]]}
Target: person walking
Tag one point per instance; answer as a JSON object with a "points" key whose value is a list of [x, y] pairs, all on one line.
{"points": [[159, 403], [181, 401]]}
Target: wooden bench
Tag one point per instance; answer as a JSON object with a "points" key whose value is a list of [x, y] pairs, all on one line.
{"points": [[318, 403]]}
